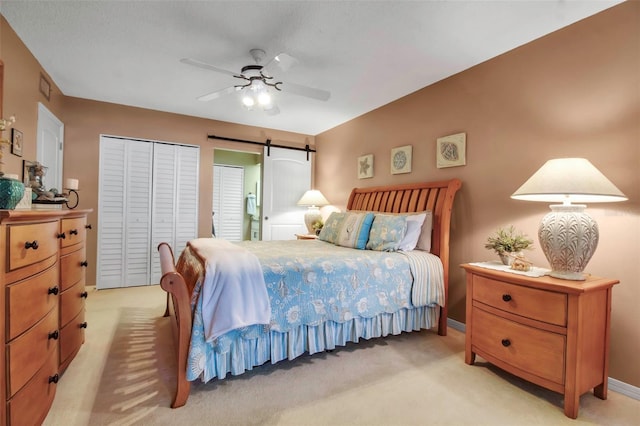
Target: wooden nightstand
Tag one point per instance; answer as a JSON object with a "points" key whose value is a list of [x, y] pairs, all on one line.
{"points": [[306, 237], [549, 331]]}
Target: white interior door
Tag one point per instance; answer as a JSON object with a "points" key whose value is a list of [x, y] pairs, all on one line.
{"points": [[228, 201], [50, 146], [286, 176]]}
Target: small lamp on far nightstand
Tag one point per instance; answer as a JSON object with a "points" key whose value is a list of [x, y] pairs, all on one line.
{"points": [[314, 199], [568, 236]]}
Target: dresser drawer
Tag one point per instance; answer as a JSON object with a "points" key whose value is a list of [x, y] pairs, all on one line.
{"points": [[29, 300], [27, 353], [74, 231], [72, 337], [533, 303], [31, 404], [41, 240], [538, 352], [71, 269], [71, 303]]}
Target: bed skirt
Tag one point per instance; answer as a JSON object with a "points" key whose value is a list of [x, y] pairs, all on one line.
{"points": [[245, 353]]}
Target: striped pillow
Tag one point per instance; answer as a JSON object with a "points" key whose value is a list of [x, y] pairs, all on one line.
{"points": [[354, 232]]}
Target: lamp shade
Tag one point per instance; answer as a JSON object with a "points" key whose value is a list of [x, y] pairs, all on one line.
{"points": [[569, 180], [313, 197]]}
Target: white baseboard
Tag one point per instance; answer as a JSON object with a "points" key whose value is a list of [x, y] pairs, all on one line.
{"points": [[613, 384]]}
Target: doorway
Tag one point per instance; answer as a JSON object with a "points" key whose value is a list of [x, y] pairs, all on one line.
{"points": [[50, 146]]}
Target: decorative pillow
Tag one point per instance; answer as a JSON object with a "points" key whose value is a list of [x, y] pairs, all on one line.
{"points": [[331, 228], [414, 228], [386, 232], [354, 231]]}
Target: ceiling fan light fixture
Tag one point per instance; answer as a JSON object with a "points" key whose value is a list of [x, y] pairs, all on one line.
{"points": [[264, 98], [247, 100]]}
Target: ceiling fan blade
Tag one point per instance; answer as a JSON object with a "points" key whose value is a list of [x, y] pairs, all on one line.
{"points": [[281, 61], [217, 94], [309, 92], [206, 66]]}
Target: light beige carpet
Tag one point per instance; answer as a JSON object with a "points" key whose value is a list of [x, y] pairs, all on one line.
{"points": [[124, 375]]}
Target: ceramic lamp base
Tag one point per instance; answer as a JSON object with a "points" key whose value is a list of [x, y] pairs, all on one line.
{"points": [[568, 237], [11, 192]]}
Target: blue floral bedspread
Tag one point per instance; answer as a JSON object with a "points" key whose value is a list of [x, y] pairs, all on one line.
{"points": [[319, 282]]}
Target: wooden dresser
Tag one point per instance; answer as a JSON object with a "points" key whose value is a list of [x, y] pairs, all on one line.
{"points": [[549, 331], [43, 295]]}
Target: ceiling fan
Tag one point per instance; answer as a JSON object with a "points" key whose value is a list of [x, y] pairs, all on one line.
{"points": [[258, 81]]}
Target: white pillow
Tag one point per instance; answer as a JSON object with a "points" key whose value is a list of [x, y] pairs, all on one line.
{"points": [[414, 230], [424, 242]]}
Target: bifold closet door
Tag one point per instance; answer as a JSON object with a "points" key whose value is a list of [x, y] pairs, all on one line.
{"points": [[175, 200], [148, 194], [228, 201], [124, 212]]}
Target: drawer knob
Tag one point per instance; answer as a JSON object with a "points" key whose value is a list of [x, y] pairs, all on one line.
{"points": [[73, 232], [54, 335], [83, 325], [31, 245], [506, 343], [84, 295], [84, 263], [506, 297], [87, 226], [54, 378], [62, 236], [53, 290]]}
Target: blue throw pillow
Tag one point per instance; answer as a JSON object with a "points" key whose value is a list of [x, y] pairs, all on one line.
{"points": [[354, 231]]}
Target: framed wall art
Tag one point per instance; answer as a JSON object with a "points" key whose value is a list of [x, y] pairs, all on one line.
{"points": [[401, 159], [45, 87], [365, 166], [16, 142], [451, 150]]}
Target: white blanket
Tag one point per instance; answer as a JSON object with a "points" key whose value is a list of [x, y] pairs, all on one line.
{"points": [[234, 294]]}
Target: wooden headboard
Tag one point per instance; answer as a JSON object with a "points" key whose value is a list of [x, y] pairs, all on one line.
{"points": [[436, 197]]}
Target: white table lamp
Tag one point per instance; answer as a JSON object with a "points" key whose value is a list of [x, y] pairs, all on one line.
{"points": [[568, 236], [313, 199]]}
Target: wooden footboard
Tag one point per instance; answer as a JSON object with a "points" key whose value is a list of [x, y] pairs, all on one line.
{"points": [[179, 309]]}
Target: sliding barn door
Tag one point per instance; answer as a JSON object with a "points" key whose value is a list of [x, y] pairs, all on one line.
{"points": [[286, 177], [148, 193]]}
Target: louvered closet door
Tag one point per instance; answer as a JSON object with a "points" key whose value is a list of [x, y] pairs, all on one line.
{"points": [[175, 200], [124, 229]]}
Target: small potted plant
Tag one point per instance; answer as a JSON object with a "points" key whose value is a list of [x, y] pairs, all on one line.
{"points": [[317, 226], [507, 243]]}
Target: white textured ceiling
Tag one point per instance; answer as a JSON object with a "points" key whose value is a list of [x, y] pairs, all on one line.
{"points": [[366, 53]]}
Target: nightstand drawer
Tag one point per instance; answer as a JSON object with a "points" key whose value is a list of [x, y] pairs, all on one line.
{"points": [[536, 351], [536, 304]]}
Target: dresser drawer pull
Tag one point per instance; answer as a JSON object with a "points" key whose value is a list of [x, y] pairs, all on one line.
{"points": [[83, 325], [87, 226], [62, 236], [31, 245], [506, 297], [53, 290], [54, 335], [84, 295], [73, 232], [84, 263], [506, 343], [54, 378]]}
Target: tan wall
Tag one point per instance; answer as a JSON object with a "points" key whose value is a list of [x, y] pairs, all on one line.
{"points": [[574, 93]]}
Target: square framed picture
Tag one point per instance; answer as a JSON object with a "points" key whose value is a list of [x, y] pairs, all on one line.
{"points": [[45, 87], [401, 159], [16, 142], [365, 166], [451, 150]]}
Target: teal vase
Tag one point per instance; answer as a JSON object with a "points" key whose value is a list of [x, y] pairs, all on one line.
{"points": [[11, 192]]}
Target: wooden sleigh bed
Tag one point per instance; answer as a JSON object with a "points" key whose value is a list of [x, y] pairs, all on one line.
{"points": [[436, 197]]}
